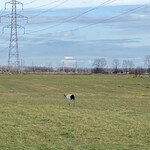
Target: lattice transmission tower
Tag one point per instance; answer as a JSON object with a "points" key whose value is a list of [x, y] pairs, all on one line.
{"points": [[13, 55]]}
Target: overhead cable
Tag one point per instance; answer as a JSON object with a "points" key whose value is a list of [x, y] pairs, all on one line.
{"points": [[68, 19], [49, 9], [103, 21]]}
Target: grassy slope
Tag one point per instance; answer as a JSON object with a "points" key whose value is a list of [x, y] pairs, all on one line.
{"points": [[112, 112]]}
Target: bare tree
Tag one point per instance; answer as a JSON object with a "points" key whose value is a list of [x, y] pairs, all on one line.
{"points": [[131, 65], [147, 63], [99, 65], [116, 65], [127, 65]]}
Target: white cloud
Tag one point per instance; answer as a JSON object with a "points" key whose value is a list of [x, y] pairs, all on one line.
{"points": [[68, 58], [131, 2], [61, 34], [68, 61], [139, 16]]}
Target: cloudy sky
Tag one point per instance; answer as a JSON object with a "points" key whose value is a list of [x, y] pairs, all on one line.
{"points": [[79, 31]]}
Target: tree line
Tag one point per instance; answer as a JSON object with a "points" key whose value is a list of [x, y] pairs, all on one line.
{"points": [[126, 67], [99, 67]]}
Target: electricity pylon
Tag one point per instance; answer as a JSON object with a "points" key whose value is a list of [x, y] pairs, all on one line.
{"points": [[13, 56]]}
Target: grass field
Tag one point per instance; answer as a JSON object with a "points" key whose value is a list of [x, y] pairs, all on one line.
{"points": [[112, 112]]}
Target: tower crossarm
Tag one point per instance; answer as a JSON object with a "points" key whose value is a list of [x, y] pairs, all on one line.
{"points": [[10, 26], [5, 16], [10, 16], [21, 16], [13, 2]]}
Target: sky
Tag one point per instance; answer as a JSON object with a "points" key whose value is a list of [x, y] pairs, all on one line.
{"points": [[76, 32]]}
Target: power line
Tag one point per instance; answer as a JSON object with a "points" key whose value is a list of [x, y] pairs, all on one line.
{"points": [[114, 17], [68, 19], [75, 17], [40, 7], [103, 21], [46, 4], [49, 9], [31, 2]]}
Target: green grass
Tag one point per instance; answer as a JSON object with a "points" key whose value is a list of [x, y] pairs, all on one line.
{"points": [[112, 112]]}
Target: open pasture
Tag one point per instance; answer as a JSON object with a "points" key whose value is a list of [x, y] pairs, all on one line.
{"points": [[112, 112]]}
